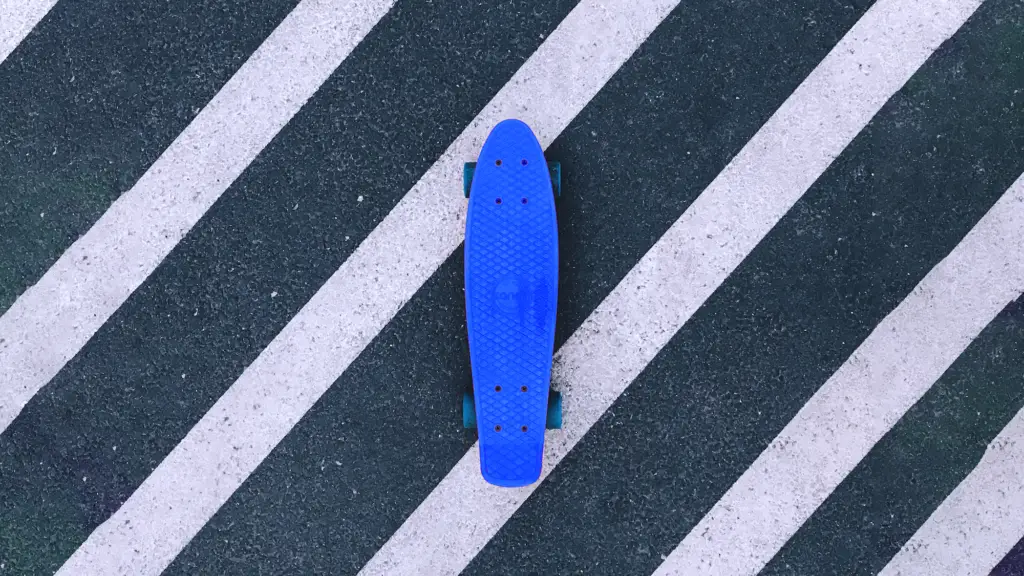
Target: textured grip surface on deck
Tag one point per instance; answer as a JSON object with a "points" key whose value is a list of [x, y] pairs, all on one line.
{"points": [[511, 294]]}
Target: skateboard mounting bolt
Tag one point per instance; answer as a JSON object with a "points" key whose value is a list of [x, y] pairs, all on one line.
{"points": [[497, 200], [523, 388], [524, 161], [497, 388], [524, 428], [524, 200], [497, 162], [497, 428]]}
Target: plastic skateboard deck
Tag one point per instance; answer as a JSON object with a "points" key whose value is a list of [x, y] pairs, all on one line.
{"points": [[511, 274]]}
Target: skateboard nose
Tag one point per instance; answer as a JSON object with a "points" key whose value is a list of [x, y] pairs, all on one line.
{"points": [[513, 130], [511, 126]]}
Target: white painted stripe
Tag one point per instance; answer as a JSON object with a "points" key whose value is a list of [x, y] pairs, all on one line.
{"points": [[53, 319], [384, 272], [979, 522], [685, 266], [17, 19], [890, 371]]}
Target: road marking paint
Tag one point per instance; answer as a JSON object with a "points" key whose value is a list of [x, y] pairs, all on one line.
{"points": [[54, 319], [899, 361], [19, 18], [366, 292], [980, 521], [674, 278]]}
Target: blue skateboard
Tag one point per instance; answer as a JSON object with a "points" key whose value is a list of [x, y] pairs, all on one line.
{"points": [[511, 255]]}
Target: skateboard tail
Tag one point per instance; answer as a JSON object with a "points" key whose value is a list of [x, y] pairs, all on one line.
{"points": [[511, 466]]}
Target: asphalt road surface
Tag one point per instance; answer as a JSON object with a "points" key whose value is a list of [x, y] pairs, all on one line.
{"points": [[790, 332]]}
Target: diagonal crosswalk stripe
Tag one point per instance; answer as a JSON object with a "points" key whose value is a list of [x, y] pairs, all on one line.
{"points": [[918, 463], [363, 295], [979, 523], [90, 100], [885, 376], [686, 265], [1013, 563], [353, 469], [251, 262], [54, 319], [19, 17]]}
